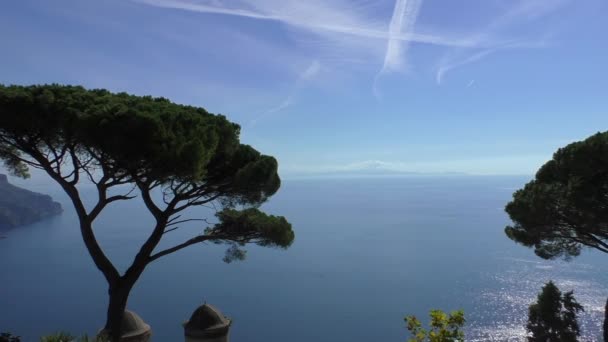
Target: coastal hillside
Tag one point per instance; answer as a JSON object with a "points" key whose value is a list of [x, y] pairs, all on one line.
{"points": [[20, 207]]}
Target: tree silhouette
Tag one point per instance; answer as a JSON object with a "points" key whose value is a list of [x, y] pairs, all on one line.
{"points": [[565, 208], [553, 317], [173, 157]]}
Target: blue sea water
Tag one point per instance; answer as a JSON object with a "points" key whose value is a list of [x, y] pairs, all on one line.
{"points": [[368, 251]]}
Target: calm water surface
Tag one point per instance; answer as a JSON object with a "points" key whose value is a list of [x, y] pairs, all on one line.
{"points": [[367, 252]]}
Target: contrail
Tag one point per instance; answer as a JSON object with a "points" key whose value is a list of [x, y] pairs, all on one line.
{"points": [[397, 35], [402, 22]]}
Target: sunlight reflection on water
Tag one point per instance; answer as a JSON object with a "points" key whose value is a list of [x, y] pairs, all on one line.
{"points": [[504, 310]]}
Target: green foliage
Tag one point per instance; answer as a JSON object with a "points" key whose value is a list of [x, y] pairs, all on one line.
{"points": [[442, 328], [65, 337], [127, 134], [58, 337], [553, 316], [8, 337], [194, 157], [565, 207], [238, 227], [253, 226]]}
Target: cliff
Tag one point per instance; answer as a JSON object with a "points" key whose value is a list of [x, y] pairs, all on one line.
{"points": [[20, 207]]}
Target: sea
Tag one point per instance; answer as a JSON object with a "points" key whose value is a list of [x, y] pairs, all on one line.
{"points": [[368, 251]]}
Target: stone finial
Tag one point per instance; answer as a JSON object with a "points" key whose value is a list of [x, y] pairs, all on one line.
{"points": [[134, 329], [207, 324]]}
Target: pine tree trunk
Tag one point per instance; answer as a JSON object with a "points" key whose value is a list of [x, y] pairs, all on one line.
{"points": [[116, 309]]}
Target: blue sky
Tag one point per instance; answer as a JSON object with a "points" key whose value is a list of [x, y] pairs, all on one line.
{"points": [[476, 86]]}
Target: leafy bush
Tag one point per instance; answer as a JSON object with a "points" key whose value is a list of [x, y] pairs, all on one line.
{"points": [[7, 337], [58, 337], [64, 337], [443, 327]]}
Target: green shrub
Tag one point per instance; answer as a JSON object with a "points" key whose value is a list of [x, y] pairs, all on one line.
{"points": [[64, 337], [8, 337], [443, 327], [58, 337]]}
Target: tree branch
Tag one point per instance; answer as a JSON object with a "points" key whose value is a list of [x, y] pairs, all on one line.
{"points": [[148, 201], [99, 258], [596, 240], [76, 170], [187, 220], [143, 256], [581, 241], [174, 249], [170, 230], [195, 202]]}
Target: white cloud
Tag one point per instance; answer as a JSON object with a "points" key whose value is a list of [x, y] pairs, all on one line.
{"points": [[448, 62], [321, 17], [305, 76], [347, 31], [403, 21], [311, 71], [281, 106], [485, 43]]}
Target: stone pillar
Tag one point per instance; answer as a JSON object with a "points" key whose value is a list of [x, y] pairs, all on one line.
{"points": [[207, 324], [134, 329]]}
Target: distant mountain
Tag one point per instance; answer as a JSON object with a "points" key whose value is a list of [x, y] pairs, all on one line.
{"points": [[20, 207], [372, 168]]}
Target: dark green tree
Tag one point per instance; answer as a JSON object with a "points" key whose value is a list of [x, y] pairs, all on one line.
{"points": [[553, 317], [565, 208], [172, 157]]}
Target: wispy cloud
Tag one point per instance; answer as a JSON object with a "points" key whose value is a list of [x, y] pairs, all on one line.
{"points": [[304, 77], [310, 72], [320, 16], [402, 23], [348, 29], [486, 43], [459, 58], [283, 105], [449, 62]]}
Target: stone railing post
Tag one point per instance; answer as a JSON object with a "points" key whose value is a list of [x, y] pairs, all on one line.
{"points": [[207, 324]]}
